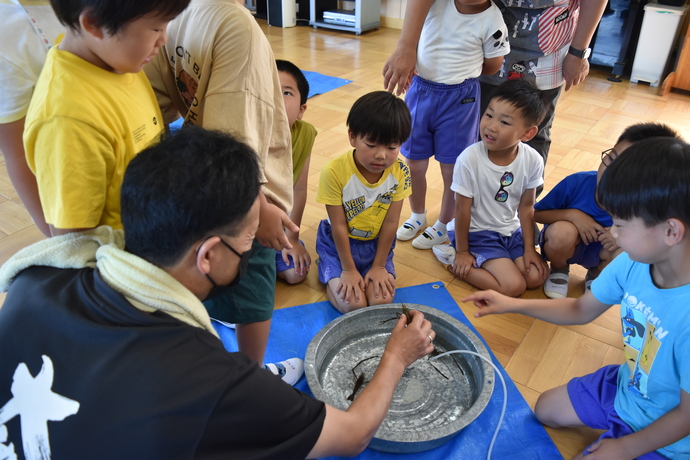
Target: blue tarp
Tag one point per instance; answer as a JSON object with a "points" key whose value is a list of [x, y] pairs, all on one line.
{"points": [[521, 435], [319, 83]]}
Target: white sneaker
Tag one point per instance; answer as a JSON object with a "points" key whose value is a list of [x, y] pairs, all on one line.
{"points": [[409, 229], [445, 253], [289, 370], [556, 285], [430, 238]]}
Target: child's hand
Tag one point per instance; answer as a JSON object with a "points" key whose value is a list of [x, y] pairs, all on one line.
{"points": [[271, 233], [531, 257], [462, 264], [607, 449], [587, 227], [608, 241], [351, 284], [381, 280], [300, 257], [489, 303]]}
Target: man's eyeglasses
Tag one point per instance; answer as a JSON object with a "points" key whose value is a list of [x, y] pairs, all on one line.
{"points": [[506, 180], [607, 157]]}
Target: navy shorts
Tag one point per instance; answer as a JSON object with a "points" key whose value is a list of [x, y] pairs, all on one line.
{"points": [[363, 253], [486, 245], [445, 119], [592, 397], [586, 255], [280, 263]]}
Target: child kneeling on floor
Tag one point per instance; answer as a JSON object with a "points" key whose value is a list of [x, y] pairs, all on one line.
{"points": [[363, 191], [644, 403], [494, 182], [576, 229]]}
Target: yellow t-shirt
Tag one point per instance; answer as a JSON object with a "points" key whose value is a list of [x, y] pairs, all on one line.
{"points": [[83, 127], [303, 135], [365, 204]]}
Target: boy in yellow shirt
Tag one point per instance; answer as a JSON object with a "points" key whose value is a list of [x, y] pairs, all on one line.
{"points": [[93, 109]]}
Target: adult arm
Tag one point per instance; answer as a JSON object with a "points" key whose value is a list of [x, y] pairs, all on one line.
{"points": [[575, 69], [526, 215], [347, 433], [588, 228], [400, 66], [272, 224], [23, 180], [667, 429], [378, 274], [351, 281]]}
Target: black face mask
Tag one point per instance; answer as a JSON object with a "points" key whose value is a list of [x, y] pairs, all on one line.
{"points": [[218, 290]]}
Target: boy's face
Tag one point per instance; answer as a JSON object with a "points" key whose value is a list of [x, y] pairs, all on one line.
{"points": [[133, 46], [608, 156], [291, 96], [502, 127], [373, 158], [643, 244]]}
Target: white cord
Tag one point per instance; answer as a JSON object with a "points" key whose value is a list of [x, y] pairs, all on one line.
{"points": [[503, 382]]}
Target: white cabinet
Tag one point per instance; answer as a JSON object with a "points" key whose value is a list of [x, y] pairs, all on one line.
{"points": [[365, 16]]}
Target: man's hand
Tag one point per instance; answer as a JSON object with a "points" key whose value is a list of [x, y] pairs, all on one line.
{"points": [[575, 70], [300, 256], [462, 264], [608, 241], [530, 258], [588, 228], [399, 70], [489, 303], [381, 280], [351, 284], [411, 342], [272, 222]]}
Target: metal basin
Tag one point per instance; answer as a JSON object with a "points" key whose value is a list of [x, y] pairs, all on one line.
{"points": [[432, 402]]}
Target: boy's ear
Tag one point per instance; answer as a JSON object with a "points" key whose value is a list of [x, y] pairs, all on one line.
{"points": [[675, 231], [302, 109], [529, 134], [352, 137], [88, 25]]}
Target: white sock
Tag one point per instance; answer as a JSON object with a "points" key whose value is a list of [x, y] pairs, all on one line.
{"points": [[440, 226], [418, 217]]}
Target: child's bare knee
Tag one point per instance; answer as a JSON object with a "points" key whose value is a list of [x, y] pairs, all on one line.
{"points": [[513, 287], [290, 277], [561, 234]]}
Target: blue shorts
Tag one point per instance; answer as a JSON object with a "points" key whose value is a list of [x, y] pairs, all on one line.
{"points": [[445, 119], [280, 264], [486, 245], [592, 397], [586, 255], [363, 253]]}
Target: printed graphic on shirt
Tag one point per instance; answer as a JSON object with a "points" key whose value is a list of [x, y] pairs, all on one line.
{"points": [[501, 41], [506, 180], [35, 403], [643, 335], [187, 86]]}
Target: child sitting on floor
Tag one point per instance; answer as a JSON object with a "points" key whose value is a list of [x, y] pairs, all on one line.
{"points": [[363, 191], [644, 403], [292, 265], [494, 181], [577, 229]]}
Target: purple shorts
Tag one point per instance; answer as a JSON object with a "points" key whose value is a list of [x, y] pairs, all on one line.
{"points": [[486, 245], [586, 255], [445, 119], [280, 264], [592, 397], [363, 253]]}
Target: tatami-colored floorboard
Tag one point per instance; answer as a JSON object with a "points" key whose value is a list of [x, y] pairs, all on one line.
{"points": [[537, 355]]}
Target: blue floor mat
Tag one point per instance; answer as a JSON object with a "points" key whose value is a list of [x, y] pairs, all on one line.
{"points": [[319, 83], [521, 435]]}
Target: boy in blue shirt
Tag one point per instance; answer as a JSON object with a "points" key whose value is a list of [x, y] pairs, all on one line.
{"points": [[644, 403], [576, 228], [363, 191]]}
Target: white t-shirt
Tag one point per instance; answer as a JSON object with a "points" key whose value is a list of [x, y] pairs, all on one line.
{"points": [[496, 190], [22, 53], [452, 46]]}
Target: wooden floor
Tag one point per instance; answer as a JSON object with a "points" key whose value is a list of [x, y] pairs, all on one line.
{"points": [[589, 118]]}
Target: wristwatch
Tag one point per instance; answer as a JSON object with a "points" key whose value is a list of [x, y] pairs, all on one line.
{"points": [[582, 54]]}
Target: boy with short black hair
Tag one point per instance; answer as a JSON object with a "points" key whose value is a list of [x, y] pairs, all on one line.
{"points": [[293, 264], [93, 109], [494, 181], [576, 229], [363, 191], [644, 403]]}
